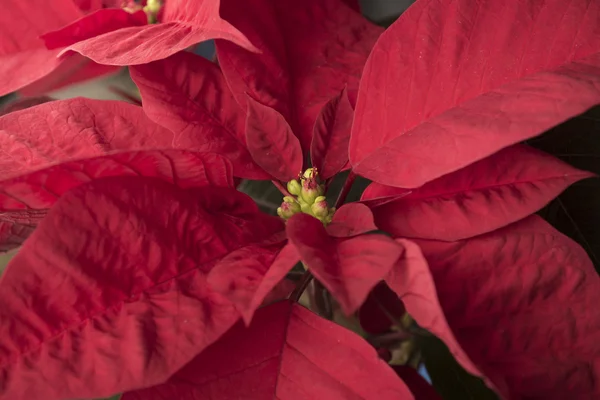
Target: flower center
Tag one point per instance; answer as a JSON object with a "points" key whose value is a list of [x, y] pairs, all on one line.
{"points": [[152, 8], [307, 196]]}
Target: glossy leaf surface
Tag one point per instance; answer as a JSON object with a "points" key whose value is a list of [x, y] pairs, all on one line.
{"points": [[479, 198], [188, 95], [272, 143], [287, 353], [532, 281], [348, 268], [470, 78], [110, 294], [310, 50], [331, 136], [184, 23]]}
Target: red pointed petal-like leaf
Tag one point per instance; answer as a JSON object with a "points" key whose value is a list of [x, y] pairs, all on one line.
{"points": [[247, 277], [92, 25], [23, 57], [453, 82], [535, 285], [331, 136], [309, 49], [272, 143], [184, 23], [188, 95], [411, 280], [418, 386], [25, 199], [40, 189], [381, 304], [77, 128], [287, 353], [480, 198], [348, 268], [110, 292], [350, 220]]}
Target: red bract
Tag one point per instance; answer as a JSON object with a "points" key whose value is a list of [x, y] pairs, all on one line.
{"points": [[188, 95], [484, 196], [309, 51], [531, 282], [184, 23], [453, 82], [23, 57], [122, 302], [287, 353], [145, 255], [331, 136]]}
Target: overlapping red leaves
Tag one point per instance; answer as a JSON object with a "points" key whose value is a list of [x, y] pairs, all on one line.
{"points": [[138, 255]]}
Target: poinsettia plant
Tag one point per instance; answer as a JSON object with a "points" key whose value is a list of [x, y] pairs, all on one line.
{"points": [[142, 269]]}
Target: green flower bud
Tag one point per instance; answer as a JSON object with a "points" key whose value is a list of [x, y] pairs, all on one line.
{"points": [[294, 187], [305, 207], [319, 208], [310, 173], [288, 208], [311, 190]]}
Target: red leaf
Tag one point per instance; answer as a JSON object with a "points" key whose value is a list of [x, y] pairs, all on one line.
{"points": [[287, 353], [23, 57], [77, 128], [351, 219], [381, 304], [418, 386], [348, 268], [411, 280], [188, 95], [309, 49], [331, 137], [25, 199], [453, 82], [272, 143], [521, 301], [40, 189], [247, 277], [184, 23], [110, 292], [92, 25], [480, 198]]}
